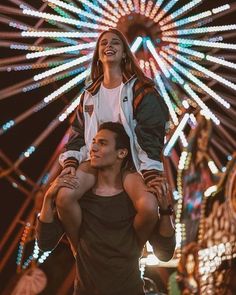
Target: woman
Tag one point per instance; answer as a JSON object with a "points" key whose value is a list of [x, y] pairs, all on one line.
{"points": [[188, 270], [119, 92]]}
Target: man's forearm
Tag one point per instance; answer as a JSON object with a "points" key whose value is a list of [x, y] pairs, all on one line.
{"points": [[163, 239], [47, 212], [166, 227], [49, 230]]}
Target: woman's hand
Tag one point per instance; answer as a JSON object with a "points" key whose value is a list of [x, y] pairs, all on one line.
{"points": [[67, 180], [68, 170], [160, 188], [47, 211]]}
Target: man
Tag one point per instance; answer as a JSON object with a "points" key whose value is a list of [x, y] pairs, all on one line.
{"points": [[107, 256]]}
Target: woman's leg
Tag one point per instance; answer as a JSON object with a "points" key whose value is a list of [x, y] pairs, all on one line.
{"points": [[145, 204], [67, 204]]}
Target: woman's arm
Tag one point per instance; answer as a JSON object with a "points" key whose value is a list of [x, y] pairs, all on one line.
{"points": [[75, 150], [152, 117]]}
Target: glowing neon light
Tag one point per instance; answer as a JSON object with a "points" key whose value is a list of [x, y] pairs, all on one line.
{"points": [[176, 134], [208, 192], [82, 12], [135, 46], [201, 30], [180, 11], [157, 58], [213, 167], [148, 8], [125, 7], [136, 6], [59, 34], [198, 100], [196, 17], [156, 8], [108, 7], [189, 90], [221, 61], [130, 5], [142, 6], [210, 74], [200, 43], [99, 10], [60, 50], [70, 109], [165, 10], [167, 99], [63, 67], [206, 56], [64, 19], [221, 8], [29, 151], [26, 47], [66, 86]]}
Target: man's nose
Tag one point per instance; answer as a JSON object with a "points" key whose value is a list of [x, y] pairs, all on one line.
{"points": [[94, 147]]}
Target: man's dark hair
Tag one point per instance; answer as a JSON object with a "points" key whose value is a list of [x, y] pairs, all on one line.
{"points": [[121, 138]]}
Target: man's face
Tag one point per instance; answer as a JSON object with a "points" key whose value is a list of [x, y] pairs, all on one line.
{"points": [[103, 153]]}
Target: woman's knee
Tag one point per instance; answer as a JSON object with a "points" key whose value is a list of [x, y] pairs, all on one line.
{"points": [[87, 176], [137, 190], [67, 197], [147, 205], [86, 168]]}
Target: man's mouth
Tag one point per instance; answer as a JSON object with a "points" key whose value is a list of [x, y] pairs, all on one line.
{"points": [[94, 157]]}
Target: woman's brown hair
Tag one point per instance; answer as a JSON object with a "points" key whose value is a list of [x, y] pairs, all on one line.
{"points": [[129, 65]]}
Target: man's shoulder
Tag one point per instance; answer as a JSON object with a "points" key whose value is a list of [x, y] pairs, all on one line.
{"points": [[96, 193]]}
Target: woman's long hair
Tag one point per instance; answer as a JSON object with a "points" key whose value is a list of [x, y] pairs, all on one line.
{"points": [[129, 65]]}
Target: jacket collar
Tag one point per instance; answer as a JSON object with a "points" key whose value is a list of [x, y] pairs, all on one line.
{"points": [[94, 86]]}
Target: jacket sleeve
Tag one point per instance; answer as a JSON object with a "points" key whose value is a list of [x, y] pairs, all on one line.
{"points": [[75, 150], [163, 247], [152, 117], [48, 235]]}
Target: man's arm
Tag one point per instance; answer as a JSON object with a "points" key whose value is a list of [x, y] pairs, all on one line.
{"points": [[163, 237], [48, 235], [49, 229]]}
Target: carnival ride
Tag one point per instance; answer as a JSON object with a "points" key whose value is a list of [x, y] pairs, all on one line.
{"points": [[187, 47]]}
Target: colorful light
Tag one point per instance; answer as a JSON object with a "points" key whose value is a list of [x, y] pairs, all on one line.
{"points": [[175, 135], [82, 12], [63, 67], [157, 58], [65, 20]]}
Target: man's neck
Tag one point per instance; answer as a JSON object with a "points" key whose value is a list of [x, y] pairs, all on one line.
{"points": [[109, 182], [112, 76]]}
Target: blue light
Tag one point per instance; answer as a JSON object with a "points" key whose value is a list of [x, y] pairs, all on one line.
{"points": [[8, 125]]}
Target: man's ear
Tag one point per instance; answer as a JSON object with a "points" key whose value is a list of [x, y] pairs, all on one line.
{"points": [[122, 153]]}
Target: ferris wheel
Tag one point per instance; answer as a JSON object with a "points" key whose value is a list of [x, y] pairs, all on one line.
{"points": [[186, 47], [176, 44]]}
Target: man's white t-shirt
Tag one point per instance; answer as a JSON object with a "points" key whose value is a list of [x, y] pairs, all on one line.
{"points": [[109, 104]]}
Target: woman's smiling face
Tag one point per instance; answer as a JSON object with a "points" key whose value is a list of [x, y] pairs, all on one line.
{"points": [[111, 49]]}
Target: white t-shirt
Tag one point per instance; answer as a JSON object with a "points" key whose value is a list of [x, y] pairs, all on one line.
{"points": [[109, 104]]}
